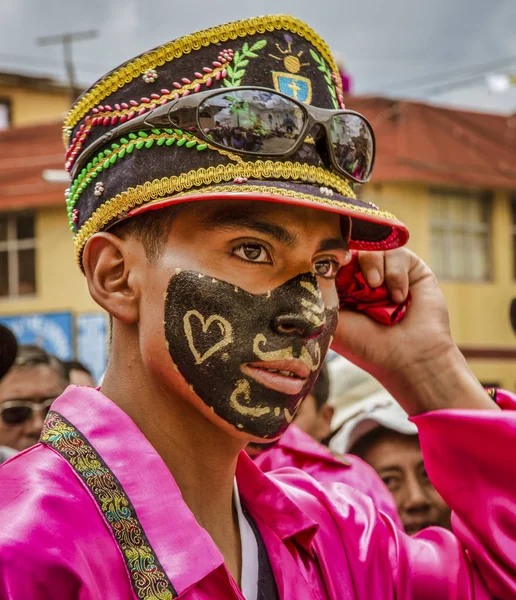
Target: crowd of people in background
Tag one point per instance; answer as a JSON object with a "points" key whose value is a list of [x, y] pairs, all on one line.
{"points": [[375, 449]]}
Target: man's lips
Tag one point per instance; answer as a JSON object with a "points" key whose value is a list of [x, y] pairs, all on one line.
{"points": [[285, 376]]}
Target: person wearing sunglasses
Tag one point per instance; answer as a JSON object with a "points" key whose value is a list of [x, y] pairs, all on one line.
{"points": [[27, 391], [216, 250]]}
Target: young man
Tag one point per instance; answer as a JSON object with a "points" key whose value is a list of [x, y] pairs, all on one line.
{"points": [[26, 392], [381, 434], [223, 310], [296, 448]]}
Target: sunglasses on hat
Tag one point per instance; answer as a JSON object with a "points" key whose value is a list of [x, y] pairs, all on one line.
{"points": [[260, 122], [16, 412]]}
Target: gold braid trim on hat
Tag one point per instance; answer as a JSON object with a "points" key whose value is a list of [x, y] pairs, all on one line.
{"points": [[158, 57], [178, 186]]}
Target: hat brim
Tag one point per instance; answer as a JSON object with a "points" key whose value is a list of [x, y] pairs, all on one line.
{"points": [[371, 228]]}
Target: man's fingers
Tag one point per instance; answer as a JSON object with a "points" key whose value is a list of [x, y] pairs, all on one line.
{"points": [[397, 268], [372, 266]]}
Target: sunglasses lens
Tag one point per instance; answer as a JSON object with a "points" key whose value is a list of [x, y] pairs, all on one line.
{"points": [[353, 145], [254, 121], [14, 415]]}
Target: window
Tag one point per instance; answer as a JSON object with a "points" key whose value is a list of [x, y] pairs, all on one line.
{"points": [[17, 255], [460, 224], [5, 114]]}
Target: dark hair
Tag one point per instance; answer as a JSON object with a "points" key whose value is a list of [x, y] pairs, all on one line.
{"points": [[71, 365], [30, 355], [362, 445], [150, 228], [321, 389]]}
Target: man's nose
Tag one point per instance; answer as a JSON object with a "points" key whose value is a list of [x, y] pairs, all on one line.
{"points": [[415, 497], [299, 325]]}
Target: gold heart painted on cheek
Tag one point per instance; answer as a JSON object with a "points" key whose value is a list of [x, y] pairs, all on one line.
{"points": [[225, 328]]}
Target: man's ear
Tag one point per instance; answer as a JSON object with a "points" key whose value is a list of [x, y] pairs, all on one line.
{"points": [[107, 269]]}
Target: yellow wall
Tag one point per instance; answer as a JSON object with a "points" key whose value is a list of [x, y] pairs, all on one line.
{"points": [[60, 284], [479, 311], [30, 106]]}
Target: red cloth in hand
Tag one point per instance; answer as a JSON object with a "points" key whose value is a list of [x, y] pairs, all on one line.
{"points": [[355, 294]]}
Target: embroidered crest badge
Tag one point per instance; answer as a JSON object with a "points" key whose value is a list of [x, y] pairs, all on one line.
{"points": [[295, 86], [290, 82]]}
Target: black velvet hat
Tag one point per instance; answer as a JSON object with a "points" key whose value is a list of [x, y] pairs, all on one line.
{"points": [[151, 168]]}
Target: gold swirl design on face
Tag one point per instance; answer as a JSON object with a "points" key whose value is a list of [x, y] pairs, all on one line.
{"points": [[312, 306], [286, 353], [316, 292], [225, 328], [243, 390]]}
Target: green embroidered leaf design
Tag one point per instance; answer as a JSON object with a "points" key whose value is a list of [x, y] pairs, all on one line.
{"points": [[236, 70], [315, 56], [323, 67], [259, 45]]}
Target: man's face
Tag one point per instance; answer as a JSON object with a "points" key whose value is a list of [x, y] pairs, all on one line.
{"points": [[398, 461], [36, 384], [313, 420], [248, 294]]}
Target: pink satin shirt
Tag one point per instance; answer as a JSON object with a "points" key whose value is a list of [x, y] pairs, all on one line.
{"points": [[297, 449], [92, 513]]}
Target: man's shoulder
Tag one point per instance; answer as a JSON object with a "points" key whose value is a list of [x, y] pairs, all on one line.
{"points": [[39, 496]]}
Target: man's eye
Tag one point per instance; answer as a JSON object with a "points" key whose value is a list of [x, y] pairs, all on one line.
{"points": [[391, 482], [326, 268], [252, 253]]}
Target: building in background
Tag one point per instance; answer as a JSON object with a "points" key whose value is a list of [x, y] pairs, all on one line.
{"points": [[43, 295], [450, 175], [27, 100]]}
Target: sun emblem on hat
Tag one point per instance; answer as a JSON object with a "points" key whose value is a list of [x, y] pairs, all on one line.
{"points": [[290, 83]]}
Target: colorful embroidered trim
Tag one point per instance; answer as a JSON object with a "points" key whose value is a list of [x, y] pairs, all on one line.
{"points": [[240, 62], [148, 578], [104, 115], [185, 45], [124, 147]]}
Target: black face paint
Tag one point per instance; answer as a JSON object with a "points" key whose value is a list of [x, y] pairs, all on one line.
{"points": [[213, 328]]}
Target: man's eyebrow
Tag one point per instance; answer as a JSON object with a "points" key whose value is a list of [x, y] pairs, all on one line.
{"points": [[333, 244], [224, 220], [389, 468]]}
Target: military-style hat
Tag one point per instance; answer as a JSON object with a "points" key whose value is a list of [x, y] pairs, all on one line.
{"points": [[154, 167]]}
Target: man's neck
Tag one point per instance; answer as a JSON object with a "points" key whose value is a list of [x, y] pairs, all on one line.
{"points": [[201, 457]]}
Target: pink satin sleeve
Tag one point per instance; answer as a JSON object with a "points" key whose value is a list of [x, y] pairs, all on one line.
{"points": [[469, 455]]}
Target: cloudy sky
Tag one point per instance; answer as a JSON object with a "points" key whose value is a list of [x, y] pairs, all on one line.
{"points": [[435, 50]]}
